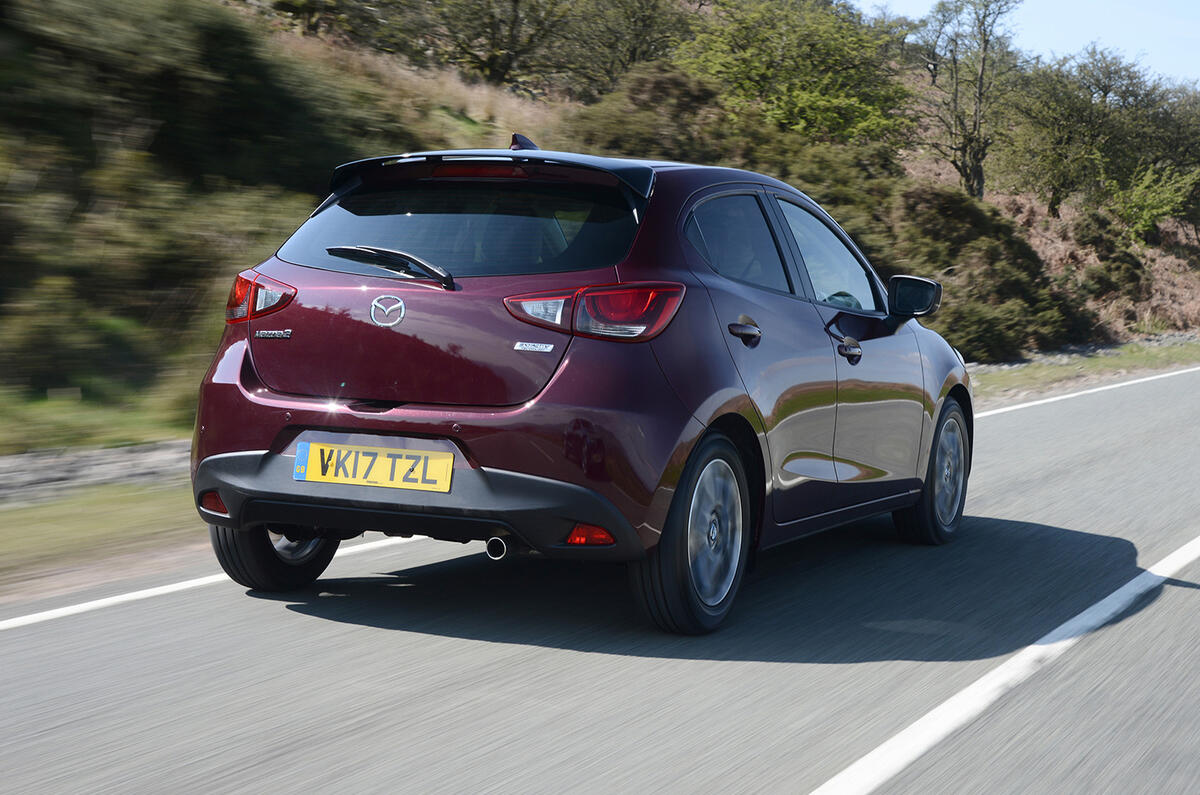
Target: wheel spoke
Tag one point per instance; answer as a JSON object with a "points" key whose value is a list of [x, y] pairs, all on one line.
{"points": [[714, 532], [293, 552], [949, 471]]}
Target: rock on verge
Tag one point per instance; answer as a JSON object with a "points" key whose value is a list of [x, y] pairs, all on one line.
{"points": [[46, 474]]}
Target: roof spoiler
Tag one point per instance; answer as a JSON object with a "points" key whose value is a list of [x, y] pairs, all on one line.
{"points": [[639, 176]]}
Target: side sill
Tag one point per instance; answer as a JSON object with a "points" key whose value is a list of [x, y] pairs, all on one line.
{"points": [[811, 525]]}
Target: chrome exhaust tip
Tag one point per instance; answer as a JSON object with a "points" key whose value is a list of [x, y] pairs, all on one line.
{"points": [[496, 548]]}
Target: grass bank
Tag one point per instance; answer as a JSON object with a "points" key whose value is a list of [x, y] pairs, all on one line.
{"points": [[65, 421], [1000, 383], [92, 524]]}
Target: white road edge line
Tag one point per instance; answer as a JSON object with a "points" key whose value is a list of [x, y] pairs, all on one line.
{"points": [[148, 593], [162, 590], [897, 753], [1092, 391]]}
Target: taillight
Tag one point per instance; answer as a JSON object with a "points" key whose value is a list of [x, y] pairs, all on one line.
{"points": [[551, 310], [237, 308], [270, 296], [627, 311], [630, 312], [255, 295]]}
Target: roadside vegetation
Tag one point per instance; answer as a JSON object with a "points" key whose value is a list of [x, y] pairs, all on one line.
{"points": [[1071, 370], [120, 519], [151, 149]]}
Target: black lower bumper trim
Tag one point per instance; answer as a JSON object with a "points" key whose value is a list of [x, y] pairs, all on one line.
{"points": [[258, 489]]}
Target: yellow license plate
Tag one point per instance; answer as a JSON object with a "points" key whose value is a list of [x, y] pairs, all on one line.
{"points": [[422, 470]]}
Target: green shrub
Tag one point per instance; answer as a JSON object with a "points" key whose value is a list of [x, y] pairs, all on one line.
{"points": [[134, 271], [1120, 271], [1151, 195], [192, 83], [50, 338], [149, 150], [998, 300], [658, 112]]}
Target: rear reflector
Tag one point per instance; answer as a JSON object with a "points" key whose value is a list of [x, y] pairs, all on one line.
{"points": [[629, 312], [588, 535], [211, 501]]}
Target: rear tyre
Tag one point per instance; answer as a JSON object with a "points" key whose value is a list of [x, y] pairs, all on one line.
{"points": [[936, 517], [268, 561], [688, 582]]}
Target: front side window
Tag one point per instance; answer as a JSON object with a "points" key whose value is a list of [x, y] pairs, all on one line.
{"points": [[837, 276], [737, 242]]}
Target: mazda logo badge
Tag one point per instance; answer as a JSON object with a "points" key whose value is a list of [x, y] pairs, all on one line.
{"points": [[387, 310]]}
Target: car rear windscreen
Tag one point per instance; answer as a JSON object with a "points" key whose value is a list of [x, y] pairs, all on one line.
{"points": [[473, 228]]}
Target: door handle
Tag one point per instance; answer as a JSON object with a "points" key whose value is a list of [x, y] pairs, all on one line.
{"points": [[748, 333], [850, 348]]}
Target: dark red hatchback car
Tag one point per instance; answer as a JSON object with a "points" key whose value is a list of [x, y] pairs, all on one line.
{"points": [[575, 357]]}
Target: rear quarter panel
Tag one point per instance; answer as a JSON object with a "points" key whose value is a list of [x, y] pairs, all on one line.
{"points": [[692, 351]]}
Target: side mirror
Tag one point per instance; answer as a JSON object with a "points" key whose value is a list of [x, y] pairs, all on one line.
{"points": [[912, 296]]}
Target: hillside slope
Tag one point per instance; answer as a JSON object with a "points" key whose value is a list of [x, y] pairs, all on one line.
{"points": [[149, 151]]}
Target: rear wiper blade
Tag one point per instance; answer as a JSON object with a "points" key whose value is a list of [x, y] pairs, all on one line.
{"points": [[393, 260]]}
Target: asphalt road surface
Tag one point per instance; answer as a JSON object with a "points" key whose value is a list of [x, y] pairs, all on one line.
{"points": [[425, 667]]}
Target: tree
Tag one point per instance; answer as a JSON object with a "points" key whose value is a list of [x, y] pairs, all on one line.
{"points": [[1056, 135], [811, 65], [971, 67], [500, 39], [607, 38], [1132, 108], [1102, 126], [1183, 141]]}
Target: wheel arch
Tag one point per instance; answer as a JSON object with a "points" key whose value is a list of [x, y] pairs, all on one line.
{"points": [[963, 398]]}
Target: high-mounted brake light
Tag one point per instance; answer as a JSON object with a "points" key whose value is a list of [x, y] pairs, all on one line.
{"points": [[255, 295], [480, 170], [630, 312]]}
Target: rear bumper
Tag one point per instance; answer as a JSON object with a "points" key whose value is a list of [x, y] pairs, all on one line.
{"points": [[257, 487], [607, 425]]}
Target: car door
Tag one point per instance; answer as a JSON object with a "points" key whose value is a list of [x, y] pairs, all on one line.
{"points": [[880, 395], [778, 343]]}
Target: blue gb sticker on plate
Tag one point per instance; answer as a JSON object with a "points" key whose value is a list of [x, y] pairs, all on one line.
{"points": [[301, 461]]}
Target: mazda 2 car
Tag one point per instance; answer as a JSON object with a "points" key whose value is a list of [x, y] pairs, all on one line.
{"points": [[674, 366]]}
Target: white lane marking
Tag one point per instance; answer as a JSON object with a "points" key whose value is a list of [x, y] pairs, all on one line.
{"points": [[162, 590], [70, 610], [897, 753], [1091, 391]]}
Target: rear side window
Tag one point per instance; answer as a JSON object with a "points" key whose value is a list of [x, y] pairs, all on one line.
{"points": [[736, 241], [473, 228]]}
